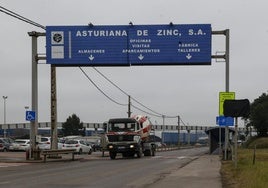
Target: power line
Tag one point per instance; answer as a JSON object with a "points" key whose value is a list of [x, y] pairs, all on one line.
{"points": [[129, 95], [117, 88], [17, 16], [156, 114], [100, 89], [110, 81], [182, 122], [160, 115], [146, 111]]}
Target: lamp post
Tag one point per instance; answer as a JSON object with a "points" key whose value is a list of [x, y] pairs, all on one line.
{"points": [[163, 134], [179, 130], [26, 108], [5, 98]]}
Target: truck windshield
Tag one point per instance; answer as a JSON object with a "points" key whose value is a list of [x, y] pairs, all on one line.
{"points": [[122, 127]]}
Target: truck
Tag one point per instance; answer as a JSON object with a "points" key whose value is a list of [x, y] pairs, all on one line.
{"points": [[130, 137]]}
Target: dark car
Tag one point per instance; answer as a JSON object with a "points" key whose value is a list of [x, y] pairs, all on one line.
{"points": [[4, 144], [95, 146]]}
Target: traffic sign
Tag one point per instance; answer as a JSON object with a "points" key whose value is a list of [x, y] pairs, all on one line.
{"points": [[126, 45], [222, 97], [30, 116], [224, 121]]}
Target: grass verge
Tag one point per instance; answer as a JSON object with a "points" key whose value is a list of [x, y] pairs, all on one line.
{"points": [[247, 174]]}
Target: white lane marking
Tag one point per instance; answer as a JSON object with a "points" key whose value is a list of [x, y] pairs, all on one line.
{"points": [[4, 165]]}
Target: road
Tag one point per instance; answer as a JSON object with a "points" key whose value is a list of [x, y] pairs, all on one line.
{"points": [[98, 172]]}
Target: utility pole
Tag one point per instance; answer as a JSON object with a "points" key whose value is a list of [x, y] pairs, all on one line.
{"points": [[179, 130], [5, 133], [34, 123], [163, 133], [226, 56], [54, 131], [235, 140], [129, 106], [227, 67]]}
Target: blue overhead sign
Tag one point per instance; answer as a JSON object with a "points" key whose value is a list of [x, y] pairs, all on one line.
{"points": [[129, 45]]}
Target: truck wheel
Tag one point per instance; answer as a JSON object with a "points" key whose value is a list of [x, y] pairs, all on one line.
{"points": [[147, 153], [112, 155], [153, 152], [139, 153]]}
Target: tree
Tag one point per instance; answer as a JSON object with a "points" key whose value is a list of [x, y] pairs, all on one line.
{"points": [[259, 115], [72, 126]]}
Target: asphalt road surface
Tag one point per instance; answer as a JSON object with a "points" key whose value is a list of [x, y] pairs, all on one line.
{"points": [[98, 172]]}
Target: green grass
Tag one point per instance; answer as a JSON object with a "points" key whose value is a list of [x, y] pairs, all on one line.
{"points": [[247, 174]]}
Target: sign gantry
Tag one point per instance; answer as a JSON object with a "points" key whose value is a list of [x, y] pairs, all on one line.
{"points": [[188, 44]]}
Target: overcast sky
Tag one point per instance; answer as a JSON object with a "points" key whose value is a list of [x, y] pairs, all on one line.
{"points": [[189, 91]]}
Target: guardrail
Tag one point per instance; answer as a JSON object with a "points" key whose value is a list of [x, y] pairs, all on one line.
{"points": [[56, 152], [171, 148]]}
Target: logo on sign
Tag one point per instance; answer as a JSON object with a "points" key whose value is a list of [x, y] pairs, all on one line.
{"points": [[57, 37]]}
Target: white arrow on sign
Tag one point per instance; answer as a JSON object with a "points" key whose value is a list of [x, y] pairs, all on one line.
{"points": [[91, 57], [141, 57], [188, 56]]}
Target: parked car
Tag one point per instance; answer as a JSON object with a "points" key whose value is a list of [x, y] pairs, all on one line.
{"points": [[10, 142], [61, 142], [14, 146], [20, 145], [4, 144], [95, 146], [45, 143], [80, 146]]}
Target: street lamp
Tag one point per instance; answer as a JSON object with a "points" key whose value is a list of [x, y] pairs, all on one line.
{"points": [[26, 108], [5, 98], [163, 134]]}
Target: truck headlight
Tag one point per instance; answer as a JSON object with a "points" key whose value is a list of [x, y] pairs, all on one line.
{"points": [[111, 146], [131, 146]]}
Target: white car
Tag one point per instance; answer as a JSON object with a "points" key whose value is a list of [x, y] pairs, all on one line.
{"points": [[20, 145], [45, 143], [80, 146], [60, 143]]}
